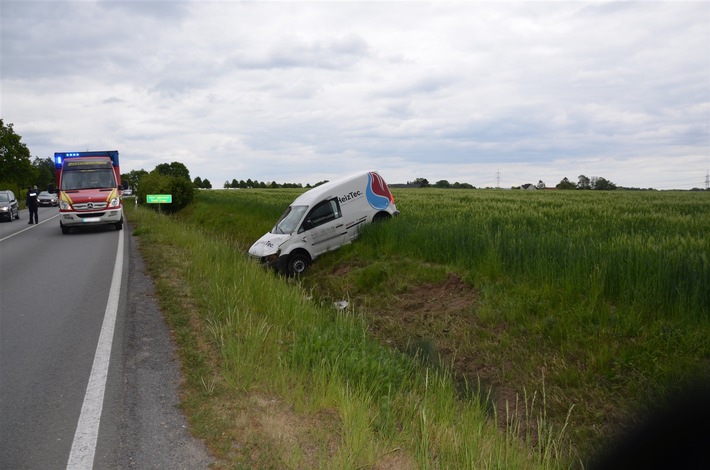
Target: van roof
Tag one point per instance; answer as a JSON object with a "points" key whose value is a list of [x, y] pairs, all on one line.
{"points": [[326, 190]]}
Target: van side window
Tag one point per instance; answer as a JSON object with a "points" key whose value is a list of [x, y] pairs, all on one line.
{"points": [[323, 213]]}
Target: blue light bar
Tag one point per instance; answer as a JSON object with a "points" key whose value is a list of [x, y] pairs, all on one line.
{"points": [[59, 157]]}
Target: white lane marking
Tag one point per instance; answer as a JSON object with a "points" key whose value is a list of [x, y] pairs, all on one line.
{"points": [[30, 227], [87, 430]]}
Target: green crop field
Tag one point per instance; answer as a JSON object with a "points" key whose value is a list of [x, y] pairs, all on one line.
{"points": [[547, 320]]}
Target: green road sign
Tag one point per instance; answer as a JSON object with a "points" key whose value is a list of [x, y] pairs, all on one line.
{"points": [[159, 198]]}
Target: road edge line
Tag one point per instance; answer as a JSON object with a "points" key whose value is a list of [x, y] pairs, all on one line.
{"points": [[84, 445]]}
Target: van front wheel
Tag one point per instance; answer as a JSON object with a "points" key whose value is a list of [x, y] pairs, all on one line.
{"points": [[297, 264]]}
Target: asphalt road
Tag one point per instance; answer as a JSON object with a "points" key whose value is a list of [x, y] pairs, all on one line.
{"points": [[89, 377]]}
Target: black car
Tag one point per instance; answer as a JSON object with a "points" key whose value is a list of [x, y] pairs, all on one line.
{"points": [[9, 208], [46, 198]]}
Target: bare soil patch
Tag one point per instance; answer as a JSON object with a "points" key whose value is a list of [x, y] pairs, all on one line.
{"points": [[438, 324]]}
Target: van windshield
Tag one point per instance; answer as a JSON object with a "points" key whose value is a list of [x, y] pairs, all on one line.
{"points": [[288, 223], [88, 179]]}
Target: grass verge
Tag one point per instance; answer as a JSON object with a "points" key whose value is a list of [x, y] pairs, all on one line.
{"points": [[276, 378]]}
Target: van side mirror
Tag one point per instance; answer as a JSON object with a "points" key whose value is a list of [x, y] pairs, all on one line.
{"points": [[50, 188]]}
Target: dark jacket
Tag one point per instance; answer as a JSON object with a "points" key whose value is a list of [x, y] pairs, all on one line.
{"points": [[32, 201]]}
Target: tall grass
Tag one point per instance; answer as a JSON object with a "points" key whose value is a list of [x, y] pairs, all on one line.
{"points": [[645, 250], [247, 336], [605, 294]]}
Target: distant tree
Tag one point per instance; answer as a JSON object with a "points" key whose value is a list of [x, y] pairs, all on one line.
{"points": [[15, 166], [274, 185], [227, 185], [242, 184], [584, 182], [206, 184], [602, 184], [131, 179], [197, 182], [565, 184], [176, 169], [421, 182], [45, 172], [250, 183], [235, 183], [442, 184]]}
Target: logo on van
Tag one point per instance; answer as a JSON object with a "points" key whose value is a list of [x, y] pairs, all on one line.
{"points": [[349, 196], [378, 194]]}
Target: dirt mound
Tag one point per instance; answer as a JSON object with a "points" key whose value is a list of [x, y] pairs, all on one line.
{"points": [[427, 319], [438, 324]]}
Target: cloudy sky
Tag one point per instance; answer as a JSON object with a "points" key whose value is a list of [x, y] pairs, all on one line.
{"points": [[499, 93]]}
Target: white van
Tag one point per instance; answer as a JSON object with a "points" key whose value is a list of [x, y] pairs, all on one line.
{"points": [[323, 219]]}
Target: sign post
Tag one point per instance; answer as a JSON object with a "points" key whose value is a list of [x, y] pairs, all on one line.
{"points": [[159, 199]]}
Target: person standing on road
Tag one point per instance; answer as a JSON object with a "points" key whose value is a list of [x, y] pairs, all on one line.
{"points": [[32, 203]]}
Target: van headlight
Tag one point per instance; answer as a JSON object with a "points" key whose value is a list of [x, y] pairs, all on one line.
{"points": [[115, 202], [271, 259], [64, 205]]}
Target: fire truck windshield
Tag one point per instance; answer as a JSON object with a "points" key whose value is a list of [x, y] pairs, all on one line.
{"points": [[88, 179]]}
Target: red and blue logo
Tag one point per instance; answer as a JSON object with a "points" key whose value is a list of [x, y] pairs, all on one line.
{"points": [[377, 193]]}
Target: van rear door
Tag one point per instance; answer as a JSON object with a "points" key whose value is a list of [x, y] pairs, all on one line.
{"points": [[324, 228]]}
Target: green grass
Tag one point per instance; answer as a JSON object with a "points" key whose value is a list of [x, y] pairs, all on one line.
{"points": [[607, 294], [592, 302], [258, 350]]}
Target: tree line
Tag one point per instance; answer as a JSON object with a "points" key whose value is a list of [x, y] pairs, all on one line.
{"points": [[584, 182], [18, 171], [241, 184]]}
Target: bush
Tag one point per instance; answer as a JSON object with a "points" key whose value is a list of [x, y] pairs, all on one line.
{"points": [[181, 189]]}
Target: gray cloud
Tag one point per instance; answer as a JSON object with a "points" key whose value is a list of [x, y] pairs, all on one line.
{"points": [[293, 91]]}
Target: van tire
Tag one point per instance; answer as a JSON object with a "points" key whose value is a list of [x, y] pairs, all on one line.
{"points": [[297, 264]]}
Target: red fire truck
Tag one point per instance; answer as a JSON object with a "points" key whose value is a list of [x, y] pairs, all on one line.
{"points": [[89, 189]]}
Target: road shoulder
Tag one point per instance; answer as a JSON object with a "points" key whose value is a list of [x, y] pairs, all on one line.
{"points": [[154, 431]]}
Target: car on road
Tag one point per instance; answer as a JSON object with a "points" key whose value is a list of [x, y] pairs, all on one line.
{"points": [[46, 198], [9, 208]]}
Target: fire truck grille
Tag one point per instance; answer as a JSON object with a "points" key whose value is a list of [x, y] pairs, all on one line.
{"points": [[90, 206]]}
